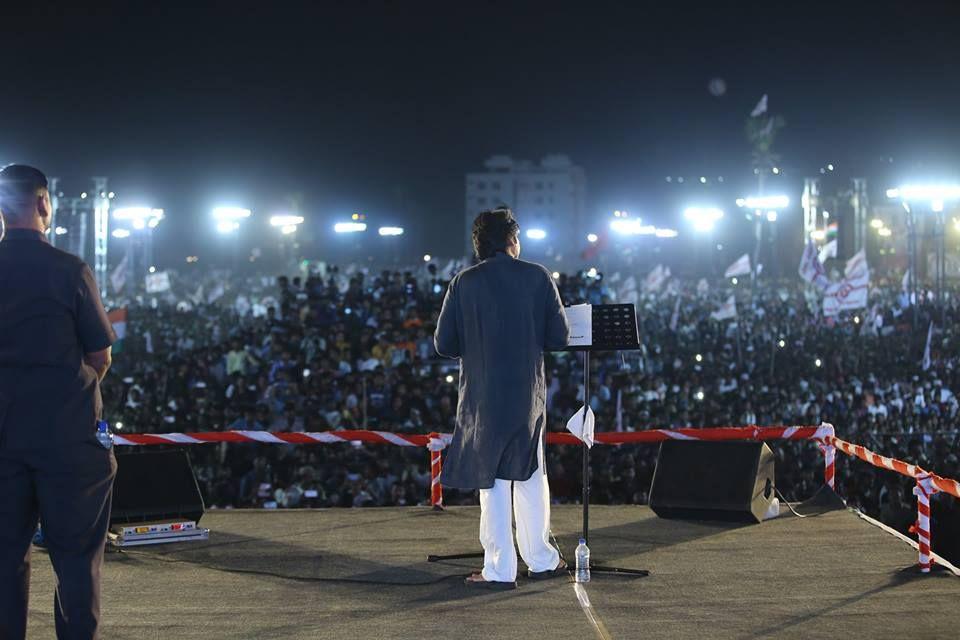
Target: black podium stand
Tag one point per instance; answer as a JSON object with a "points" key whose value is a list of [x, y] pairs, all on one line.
{"points": [[614, 328]]}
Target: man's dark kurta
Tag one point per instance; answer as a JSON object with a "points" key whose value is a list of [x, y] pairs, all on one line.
{"points": [[498, 317], [51, 467]]}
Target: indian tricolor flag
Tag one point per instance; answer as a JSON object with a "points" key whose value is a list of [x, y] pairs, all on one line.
{"points": [[118, 319]]}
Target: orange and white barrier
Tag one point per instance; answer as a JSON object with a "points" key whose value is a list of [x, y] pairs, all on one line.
{"points": [[927, 484]]}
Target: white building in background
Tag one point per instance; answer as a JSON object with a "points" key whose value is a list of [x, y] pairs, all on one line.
{"points": [[549, 196]]}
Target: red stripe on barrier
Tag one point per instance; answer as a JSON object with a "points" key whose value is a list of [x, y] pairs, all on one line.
{"points": [[946, 485]]}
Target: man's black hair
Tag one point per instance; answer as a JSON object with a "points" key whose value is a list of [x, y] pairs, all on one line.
{"points": [[493, 231], [19, 185]]}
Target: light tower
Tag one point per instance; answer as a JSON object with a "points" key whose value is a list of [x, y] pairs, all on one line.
{"points": [[101, 230]]}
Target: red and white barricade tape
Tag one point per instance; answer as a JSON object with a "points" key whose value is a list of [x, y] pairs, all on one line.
{"points": [[923, 491], [436, 442], [927, 484]]}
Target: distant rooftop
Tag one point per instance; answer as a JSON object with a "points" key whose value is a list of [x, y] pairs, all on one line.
{"points": [[553, 162]]}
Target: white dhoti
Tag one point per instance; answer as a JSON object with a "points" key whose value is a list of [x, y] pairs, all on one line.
{"points": [[531, 508]]}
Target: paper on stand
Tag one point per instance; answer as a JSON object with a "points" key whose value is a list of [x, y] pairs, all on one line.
{"points": [[580, 318], [580, 427]]}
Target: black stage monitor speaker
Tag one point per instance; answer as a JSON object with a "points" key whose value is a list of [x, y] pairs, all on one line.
{"points": [[155, 485], [730, 481]]}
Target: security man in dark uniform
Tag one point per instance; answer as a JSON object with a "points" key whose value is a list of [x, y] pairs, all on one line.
{"points": [[54, 350]]}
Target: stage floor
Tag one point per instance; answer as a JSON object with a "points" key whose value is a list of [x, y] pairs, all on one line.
{"points": [[362, 574]]}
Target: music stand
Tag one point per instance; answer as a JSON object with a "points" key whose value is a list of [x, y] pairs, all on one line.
{"points": [[614, 328]]}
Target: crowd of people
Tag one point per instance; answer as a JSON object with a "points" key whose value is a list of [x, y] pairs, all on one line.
{"points": [[337, 349]]}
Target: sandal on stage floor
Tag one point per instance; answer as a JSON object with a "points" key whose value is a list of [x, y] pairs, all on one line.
{"points": [[560, 570], [476, 581]]}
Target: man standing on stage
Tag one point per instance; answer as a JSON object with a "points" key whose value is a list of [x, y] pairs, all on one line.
{"points": [[498, 317], [54, 351]]}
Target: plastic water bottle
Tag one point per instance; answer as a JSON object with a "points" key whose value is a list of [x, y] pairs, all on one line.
{"points": [[583, 562], [104, 437]]}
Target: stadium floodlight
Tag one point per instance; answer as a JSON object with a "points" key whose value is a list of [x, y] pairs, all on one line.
{"points": [[350, 227], [427, 257], [771, 216], [230, 213], [390, 231], [285, 220], [592, 237], [120, 233], [227, 226], [885, 232], [134, 213], [876, 223], [632, 227], [60, 231], [667, 233], [764, 202], [287, 229], [703, 218], [536, 234], [932, 193]]}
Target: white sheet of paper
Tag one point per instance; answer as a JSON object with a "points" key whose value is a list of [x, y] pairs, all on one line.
{"points": [[580, 318], [582, 428]]}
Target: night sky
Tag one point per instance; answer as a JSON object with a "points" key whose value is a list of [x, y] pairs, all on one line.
{"points": [[383, 107]]}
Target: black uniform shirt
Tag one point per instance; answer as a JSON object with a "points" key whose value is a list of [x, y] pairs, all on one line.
{"points": [[50, 316]]}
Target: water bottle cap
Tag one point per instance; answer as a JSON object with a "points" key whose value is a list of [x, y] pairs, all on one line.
{"points": [[582, 541]]}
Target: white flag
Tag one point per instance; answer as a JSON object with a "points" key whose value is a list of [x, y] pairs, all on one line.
{"points": [[628, 290], [905, 283], [727, 310], [119, 276], [656, 278], [158, 282], [849, 293], [761, 107], [675, 317], [215, 294], [828, 250], [856, 265], [581, 426], [739, 268], [926, 350], [197, 297], [811, 268], [703, 287]]}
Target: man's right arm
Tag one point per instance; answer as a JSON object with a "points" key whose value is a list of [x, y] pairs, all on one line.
{"points": [[94, 330], [446, 339], [558, 329], [100, 361]]}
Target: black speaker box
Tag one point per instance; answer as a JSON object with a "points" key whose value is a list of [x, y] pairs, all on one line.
{"points": [[729, 481], [155, 485]]}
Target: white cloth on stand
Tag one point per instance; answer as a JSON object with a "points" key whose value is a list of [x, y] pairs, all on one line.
{"points": [[582, 427], [531, 508]]}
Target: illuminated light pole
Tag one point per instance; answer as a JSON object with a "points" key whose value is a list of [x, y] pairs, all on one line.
{"points": [[141, 218], [350, 227], [763, 206], [704, 221], [536, 234], [392, 232], [934, 195], [288, 225], [228, 222], [101, 230]]}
